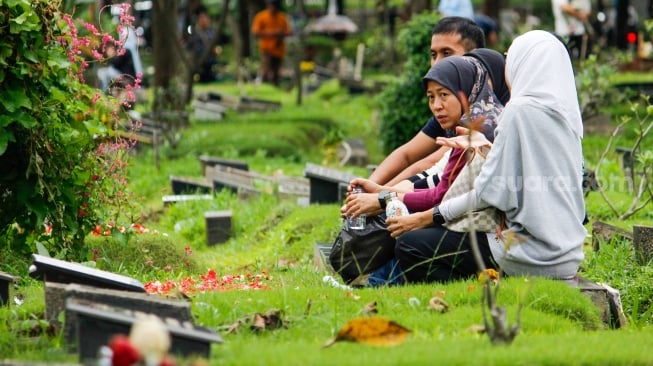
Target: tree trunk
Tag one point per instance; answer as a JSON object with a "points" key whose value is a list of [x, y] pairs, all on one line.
{"points": [[193, 65], [300, 52], [243, 29], [167, 52], [491, 8]]}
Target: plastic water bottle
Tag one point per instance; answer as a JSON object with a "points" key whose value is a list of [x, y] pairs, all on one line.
{"points": [[394, 206], [357, 223]]}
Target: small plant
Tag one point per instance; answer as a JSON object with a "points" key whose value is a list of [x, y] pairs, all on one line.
{"points": [[594, 85], [640, 179]]}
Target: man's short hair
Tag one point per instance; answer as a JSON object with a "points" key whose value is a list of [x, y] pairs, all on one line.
{"points": [[471, 34]]}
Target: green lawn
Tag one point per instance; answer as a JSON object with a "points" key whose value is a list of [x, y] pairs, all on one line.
{"points": [[559, 325]]}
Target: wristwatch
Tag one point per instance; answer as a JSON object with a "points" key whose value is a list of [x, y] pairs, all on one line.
{"points": [[382, 196], [438, 219]]}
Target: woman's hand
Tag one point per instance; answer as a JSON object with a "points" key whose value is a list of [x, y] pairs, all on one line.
{"points": [[367, 185], [463, 140], [401, 224], [361, 203]]}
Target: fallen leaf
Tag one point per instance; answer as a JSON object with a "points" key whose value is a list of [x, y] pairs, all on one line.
{"points": [[438, 304], [370, 308], [374, 331], [258, 324], [476, 328], [489, 274], [270, 320]]}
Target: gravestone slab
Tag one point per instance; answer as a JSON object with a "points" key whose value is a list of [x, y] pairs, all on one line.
{"points": [[353, 152], [643, 243], [297, 189], [6, 280], [175, 198], [188, 185], [212, 161], [56, 295], [603, 232], [606, 298], [218, 226], [96, 324], [237, 181], [208, 110], [56, 270], [326, 184], [321, 253]]}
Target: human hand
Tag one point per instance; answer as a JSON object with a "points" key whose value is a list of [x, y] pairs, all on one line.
{"points": [[399, 225], [361, 203], [366, 184], [464, 140]]}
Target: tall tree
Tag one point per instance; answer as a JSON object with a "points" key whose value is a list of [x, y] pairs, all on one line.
{"points": [[168, 56]]}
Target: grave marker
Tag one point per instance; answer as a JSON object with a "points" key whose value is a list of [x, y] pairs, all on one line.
{"points": [[187, 185], [5, 281], [60, 271], [326, 185], [218, 226], [237, 181], [98, 323], [212, 161]]}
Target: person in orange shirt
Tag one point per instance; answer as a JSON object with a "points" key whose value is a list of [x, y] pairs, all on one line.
{"points": [[271, 26]]}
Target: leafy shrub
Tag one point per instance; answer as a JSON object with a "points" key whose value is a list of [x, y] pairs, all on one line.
{"points": [[594, 84], [55, 180], [403, 107]]}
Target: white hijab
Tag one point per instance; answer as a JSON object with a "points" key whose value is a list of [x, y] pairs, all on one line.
{"points": [[551, 85]]}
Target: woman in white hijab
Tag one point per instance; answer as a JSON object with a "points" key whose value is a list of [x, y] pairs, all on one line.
{"points": [[533, 174]]}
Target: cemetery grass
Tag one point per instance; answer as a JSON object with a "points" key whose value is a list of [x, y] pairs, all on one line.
{"points": [[275, 237]]}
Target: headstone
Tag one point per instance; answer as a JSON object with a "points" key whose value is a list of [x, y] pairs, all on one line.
{"points": [[60, 271], [56, 295], [294, 188], [603, 232], [227, 100], [6, 280], [212, 161], [353, 152], [326, 184], [97, 323], [606, 298], [235, 180], [321, 253], [188, 185], [175, 198], [208, 110], [253, 104], [643, 243], [218, 226]]}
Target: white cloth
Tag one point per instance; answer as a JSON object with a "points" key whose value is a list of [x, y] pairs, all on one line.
{"points": [[438, 167], [131, 43], [459, 8], [565, 24]]}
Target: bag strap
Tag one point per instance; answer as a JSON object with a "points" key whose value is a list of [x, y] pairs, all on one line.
{"points": [[460, 158]]}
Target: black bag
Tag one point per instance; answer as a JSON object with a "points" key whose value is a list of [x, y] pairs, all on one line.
{"points": [[362, 251]]}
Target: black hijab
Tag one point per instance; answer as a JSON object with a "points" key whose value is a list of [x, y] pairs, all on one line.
{"points": [[467, 75], [495, 64]]}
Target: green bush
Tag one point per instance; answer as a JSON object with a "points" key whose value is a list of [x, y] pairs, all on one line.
{"points": [[55, 181], [403, 106]]}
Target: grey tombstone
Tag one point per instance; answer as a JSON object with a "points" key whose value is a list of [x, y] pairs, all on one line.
{"points": [[5, 281], [326, 184], [98, 323], [60, 271], [218, 226]]}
